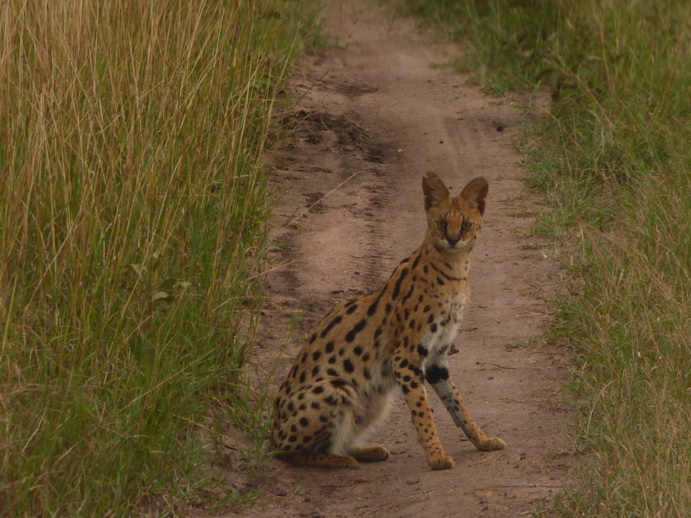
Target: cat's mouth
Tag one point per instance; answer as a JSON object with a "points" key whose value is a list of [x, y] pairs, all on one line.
{"points": [[459, 246]]}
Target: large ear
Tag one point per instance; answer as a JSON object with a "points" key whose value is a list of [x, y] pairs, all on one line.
{"points": [[434, 189], [475, 193]]}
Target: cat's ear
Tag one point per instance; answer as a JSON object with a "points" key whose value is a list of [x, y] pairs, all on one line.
{"points": [[435, 190], [475, 193]]}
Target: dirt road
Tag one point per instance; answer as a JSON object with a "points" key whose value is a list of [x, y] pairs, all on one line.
{"points": [[375, 112]]}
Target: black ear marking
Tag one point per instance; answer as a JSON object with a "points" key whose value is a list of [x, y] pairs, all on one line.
{"points": [[475, 193], [435, 190]]}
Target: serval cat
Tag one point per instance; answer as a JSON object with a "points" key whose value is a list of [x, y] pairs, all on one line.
{"points": [[344, 378]]}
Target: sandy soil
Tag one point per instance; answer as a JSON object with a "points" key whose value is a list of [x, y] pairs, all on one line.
{"points": [[375, 112]]}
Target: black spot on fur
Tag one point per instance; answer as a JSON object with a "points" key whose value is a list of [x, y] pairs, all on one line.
{"points": [[433, 327], [358, 350], [329, 347], [348, 366], [352, 309], [332, 372], [422, 350], [338, 383], [444, 274], [304, 421], [316, 355], [337, 320], [353, 332], [397, 286], [318, 390], [313, 338], [409, 294], [435, 374], [417, 260]]}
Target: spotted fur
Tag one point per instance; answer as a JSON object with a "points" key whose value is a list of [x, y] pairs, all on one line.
{"points": [[343, 379]]}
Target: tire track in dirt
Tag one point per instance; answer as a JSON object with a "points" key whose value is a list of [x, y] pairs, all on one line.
{"points": [[374, 114]]}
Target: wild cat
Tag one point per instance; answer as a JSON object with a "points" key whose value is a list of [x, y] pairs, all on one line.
{"points": [[346, 374]]}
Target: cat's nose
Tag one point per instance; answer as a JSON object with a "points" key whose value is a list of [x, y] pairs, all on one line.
{"points": [[453, 240]]}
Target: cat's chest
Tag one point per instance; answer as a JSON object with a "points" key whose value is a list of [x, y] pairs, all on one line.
{"points": [[444, 322]]}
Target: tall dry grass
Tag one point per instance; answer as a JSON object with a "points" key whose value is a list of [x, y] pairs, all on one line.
{"points": [[131, 209]]}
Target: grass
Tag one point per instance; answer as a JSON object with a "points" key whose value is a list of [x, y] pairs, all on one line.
{"points": [[132, 205], [611, 154]]}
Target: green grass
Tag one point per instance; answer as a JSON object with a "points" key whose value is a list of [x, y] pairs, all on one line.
{"points": [[132, 206], [611, 154]]}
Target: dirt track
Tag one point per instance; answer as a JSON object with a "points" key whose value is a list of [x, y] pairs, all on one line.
{"points": [[374, 114]]}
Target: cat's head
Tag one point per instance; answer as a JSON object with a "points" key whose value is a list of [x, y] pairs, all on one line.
{"points": [[454, 223]]}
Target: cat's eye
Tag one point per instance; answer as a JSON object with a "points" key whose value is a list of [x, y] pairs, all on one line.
{"points": [[466, 225], [441, 224]]}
